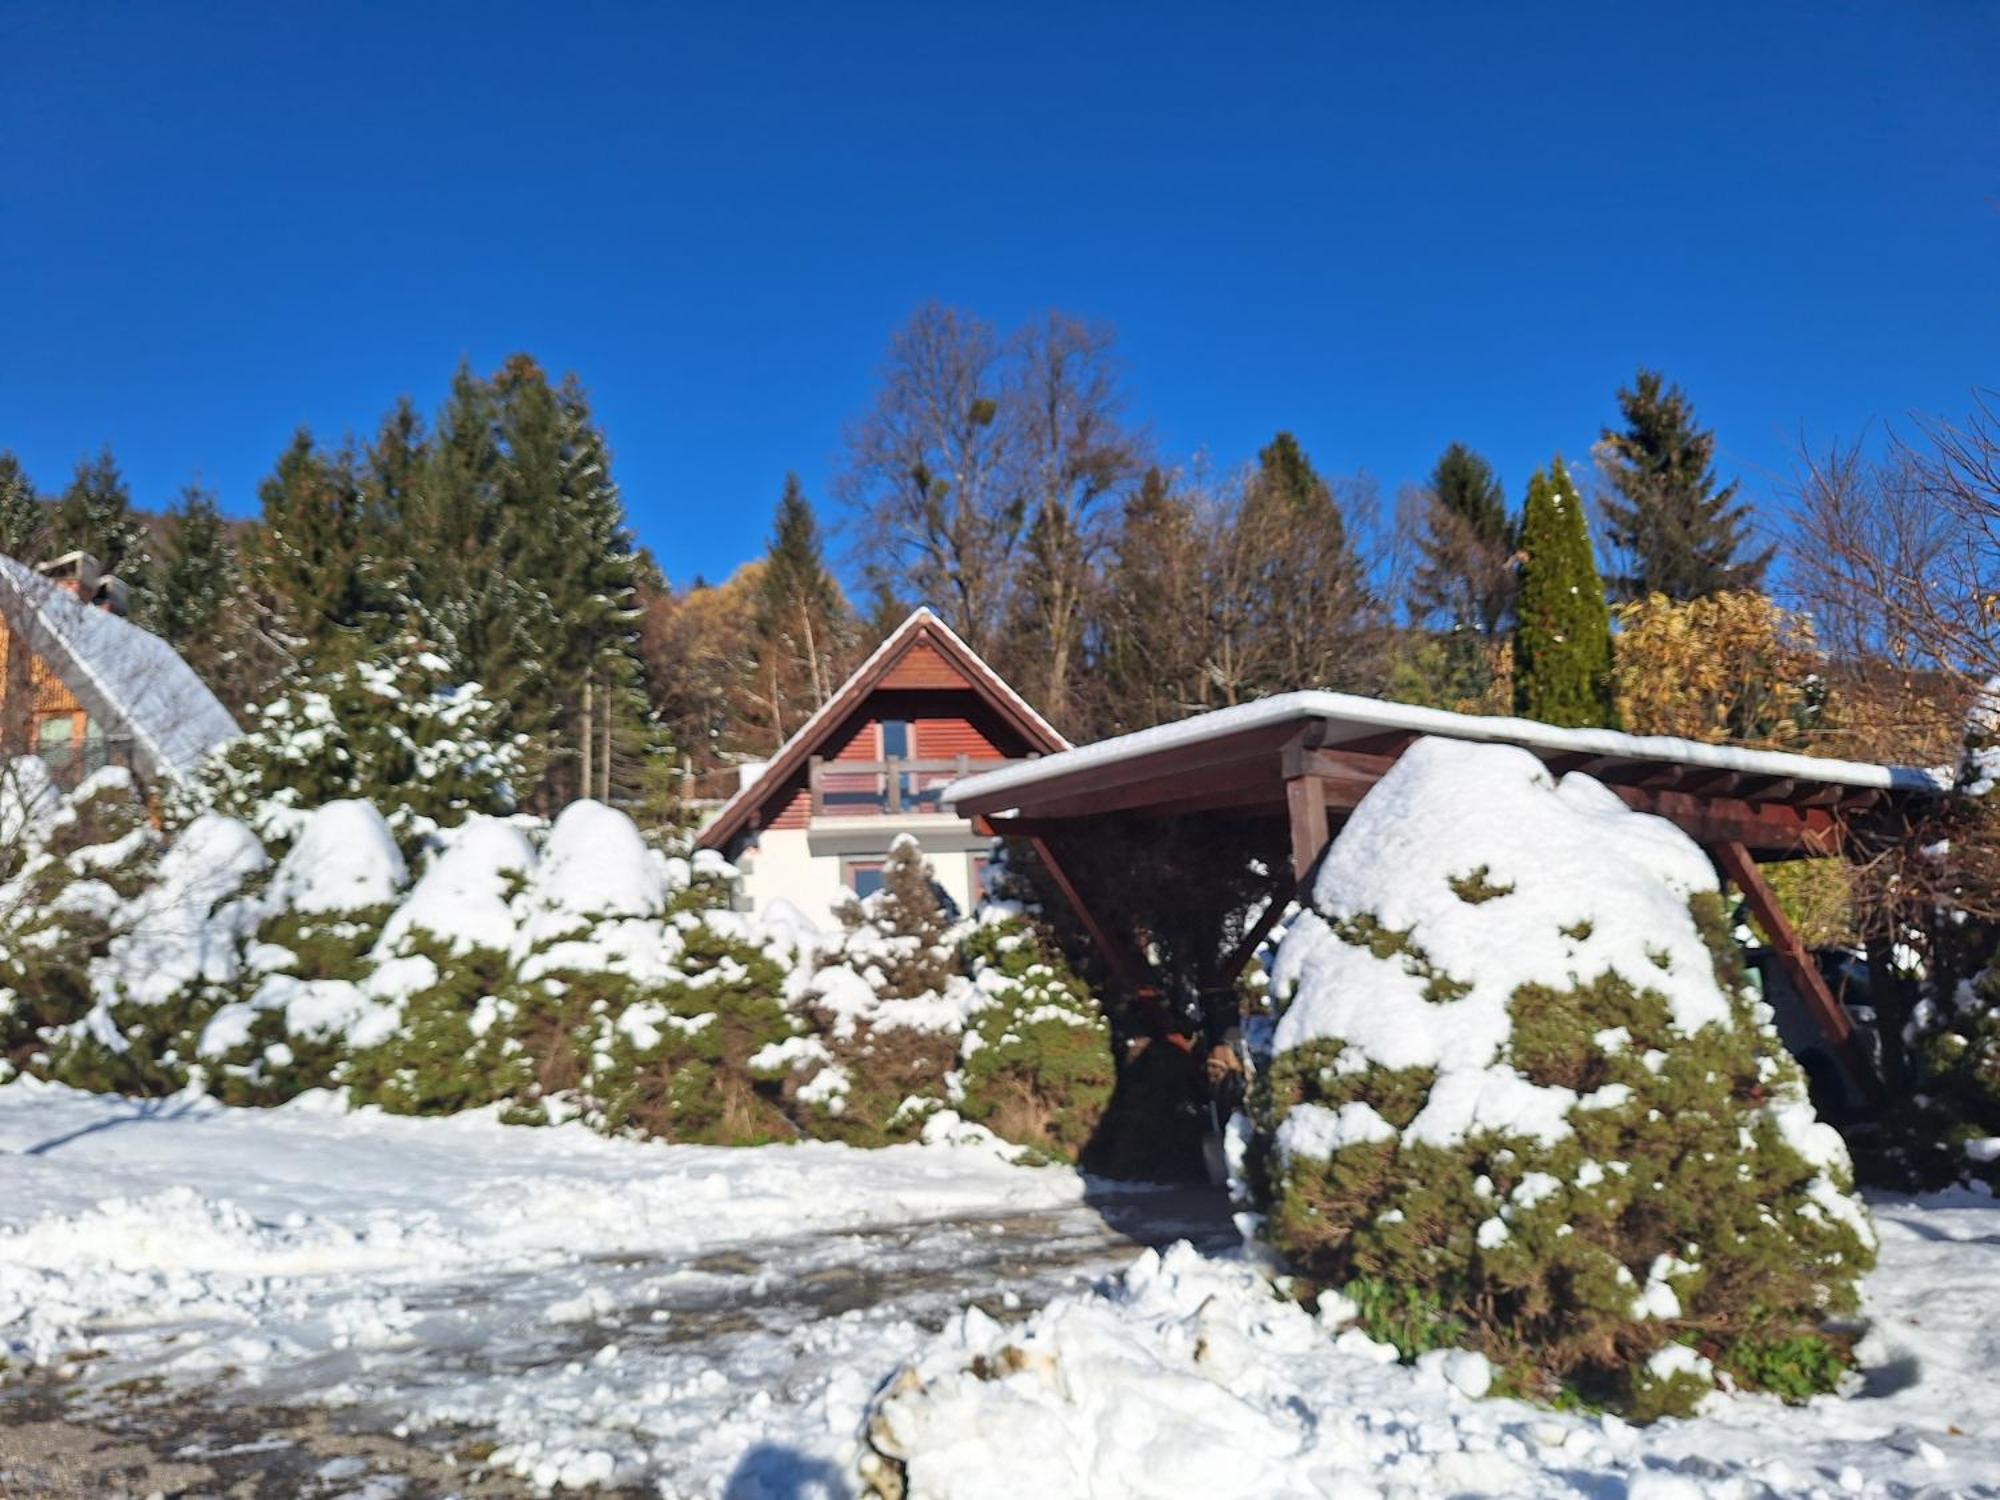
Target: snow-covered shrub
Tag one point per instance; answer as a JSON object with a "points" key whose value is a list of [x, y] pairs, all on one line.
{"points": [[1037, 1066], [1956, 1034], [402, 732], [1523, 1099], [899, 937], [70, 864], [885, 1005]]}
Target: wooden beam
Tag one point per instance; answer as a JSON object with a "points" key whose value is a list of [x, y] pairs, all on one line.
{"points": [[1116, 957], [1283, 894], [1764, 827], [1305, 801], [1735, 861]]}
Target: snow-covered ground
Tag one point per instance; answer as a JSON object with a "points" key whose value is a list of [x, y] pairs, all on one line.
{"points": [[694, 1321]]}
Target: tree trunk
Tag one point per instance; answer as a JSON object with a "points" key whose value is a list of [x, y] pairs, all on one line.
{"points": [[588, 723]]}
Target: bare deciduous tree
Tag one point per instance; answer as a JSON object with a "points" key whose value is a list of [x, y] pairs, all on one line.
{"points": [[929, 476], [1073, 452]]}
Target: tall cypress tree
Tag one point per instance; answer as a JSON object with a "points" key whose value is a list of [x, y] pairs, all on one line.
{"points": [[1463, 575], [1562, 634], [95, 515], [1683, 537], [24, 520]]}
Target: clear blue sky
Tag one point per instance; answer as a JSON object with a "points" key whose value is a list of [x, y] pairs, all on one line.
{"points": [[1384, 227]]}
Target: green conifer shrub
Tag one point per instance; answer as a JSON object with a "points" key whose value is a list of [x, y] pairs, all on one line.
{"points": [[1037, 1067], [1523, 1099]]}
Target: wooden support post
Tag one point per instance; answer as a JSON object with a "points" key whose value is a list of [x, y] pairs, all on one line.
{"points": [[1734, 861], [1116, 956], [1305, 799]]}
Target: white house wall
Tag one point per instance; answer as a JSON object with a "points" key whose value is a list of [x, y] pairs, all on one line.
{"points": [[803, 866]]}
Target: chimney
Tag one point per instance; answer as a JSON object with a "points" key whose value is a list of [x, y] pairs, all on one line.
{"points": [[76, 573]]}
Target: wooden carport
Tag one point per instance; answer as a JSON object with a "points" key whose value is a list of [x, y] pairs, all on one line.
{"points": [[1285, 772]]}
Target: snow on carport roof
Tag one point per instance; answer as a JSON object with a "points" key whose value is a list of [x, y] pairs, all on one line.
{"points": [[1347, 718], [129, 679]]}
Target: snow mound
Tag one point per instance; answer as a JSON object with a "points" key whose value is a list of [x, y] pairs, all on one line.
{"points": [[1189, 1375], [463, 897], [595, 864], [1583, 885], [345, 860], [185, 927]]}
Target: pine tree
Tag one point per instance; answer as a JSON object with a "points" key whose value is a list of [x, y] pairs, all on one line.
{"points": [[1463, 578], [95, 515], [204, 610], [803, 623], [1681, 536], [1562, 634], [24, 519]]}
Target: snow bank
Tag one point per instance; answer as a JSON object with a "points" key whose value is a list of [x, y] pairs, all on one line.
{"points": [[1189, 1375]]}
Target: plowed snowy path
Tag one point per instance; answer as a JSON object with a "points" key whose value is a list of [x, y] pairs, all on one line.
{"points": [[308, 1302]]}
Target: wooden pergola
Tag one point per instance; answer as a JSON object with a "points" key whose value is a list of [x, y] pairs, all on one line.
{"points": [[1288, 770]]}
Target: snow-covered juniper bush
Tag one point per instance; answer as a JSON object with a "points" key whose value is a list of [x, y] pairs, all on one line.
{"points": [[1523, 1099]]}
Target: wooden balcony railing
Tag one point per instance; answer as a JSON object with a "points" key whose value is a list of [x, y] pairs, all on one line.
{"points": [[884, 788]]}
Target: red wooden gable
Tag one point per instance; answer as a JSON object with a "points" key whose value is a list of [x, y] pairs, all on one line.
{"points": [[923, 675]]}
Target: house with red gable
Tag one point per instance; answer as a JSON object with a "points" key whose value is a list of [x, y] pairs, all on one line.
{"points": [[818, 819]]}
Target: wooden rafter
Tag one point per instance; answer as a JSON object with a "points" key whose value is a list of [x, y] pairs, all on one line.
{"points": [[1735, 862], [1125, 966]]}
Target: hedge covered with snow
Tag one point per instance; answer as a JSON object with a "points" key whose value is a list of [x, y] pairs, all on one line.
{"points": [[1524, 1100], [564, 970]]}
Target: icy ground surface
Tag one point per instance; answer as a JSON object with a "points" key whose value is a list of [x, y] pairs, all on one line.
{"points": [[540, 1305], [306, 1302]]}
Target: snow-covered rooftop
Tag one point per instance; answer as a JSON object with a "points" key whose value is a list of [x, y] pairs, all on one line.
{"points": [[126, 677], [1347, 717]]}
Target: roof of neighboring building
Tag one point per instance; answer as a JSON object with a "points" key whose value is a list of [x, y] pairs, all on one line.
{"points": [[128, 679], [923, 628]]}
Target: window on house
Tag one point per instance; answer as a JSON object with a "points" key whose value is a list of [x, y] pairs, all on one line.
{"points": [[54, 730], [863, 876]]}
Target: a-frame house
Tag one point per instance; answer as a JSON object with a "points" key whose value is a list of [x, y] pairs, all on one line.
{"points": [[817, 820]]}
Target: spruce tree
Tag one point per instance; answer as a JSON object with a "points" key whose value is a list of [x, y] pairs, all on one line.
{"points": [[309, 558], [24, 520], [1463, 577], [1150, 667], [1562, 633], [1296, 584], [1681, 535], [95, 515], [803, 623]]}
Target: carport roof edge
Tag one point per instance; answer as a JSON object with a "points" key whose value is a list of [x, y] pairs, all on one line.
{"points": [[1348, 717]]}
